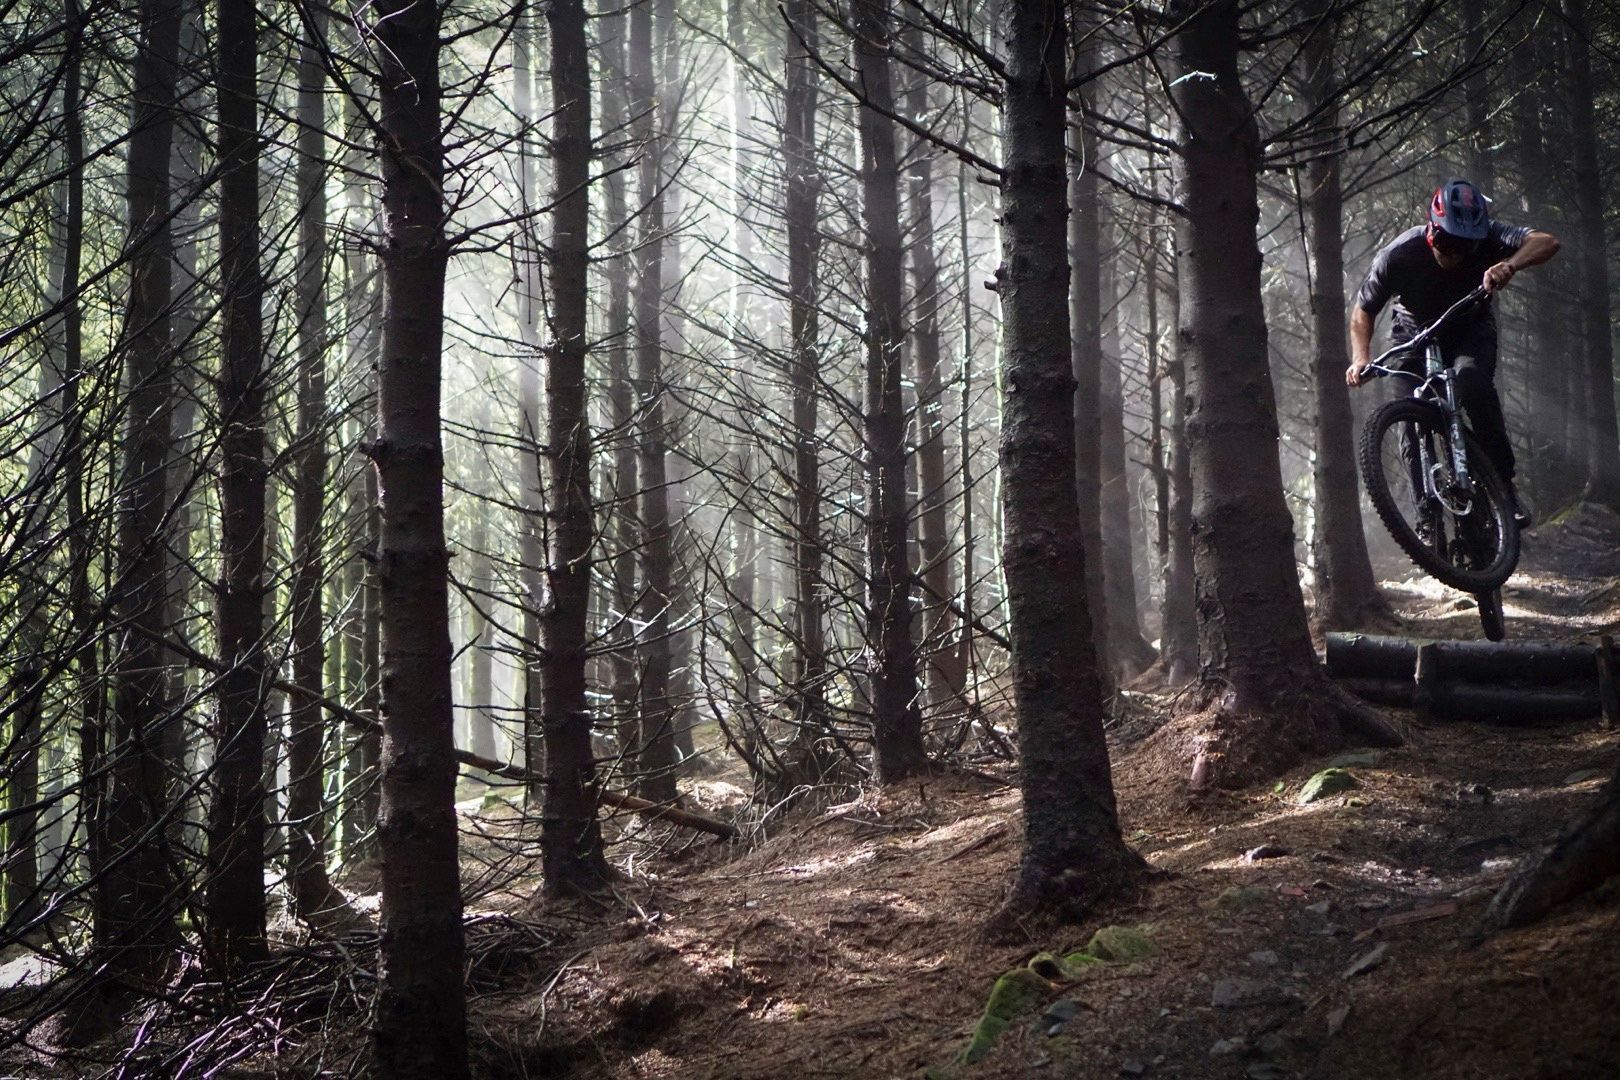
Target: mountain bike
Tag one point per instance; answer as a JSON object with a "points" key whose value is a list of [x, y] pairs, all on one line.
{"points": [[1431, 483]]}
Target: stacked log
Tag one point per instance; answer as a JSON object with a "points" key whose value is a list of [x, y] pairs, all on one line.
{"points": [[1522, 682]]}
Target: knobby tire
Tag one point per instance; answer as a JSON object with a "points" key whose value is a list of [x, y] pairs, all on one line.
{"points": [[1488, 487]]}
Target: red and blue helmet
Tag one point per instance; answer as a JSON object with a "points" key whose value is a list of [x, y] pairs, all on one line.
{"points": [[1460, 209]]}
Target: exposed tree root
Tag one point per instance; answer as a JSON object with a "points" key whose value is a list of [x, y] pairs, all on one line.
{"points": [[1237, 743], [1372, 614], [1132, 656], [1045, 895], [1587, 855]]}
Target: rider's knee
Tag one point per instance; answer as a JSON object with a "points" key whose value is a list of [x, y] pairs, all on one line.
{"points": [[1471, 381]]}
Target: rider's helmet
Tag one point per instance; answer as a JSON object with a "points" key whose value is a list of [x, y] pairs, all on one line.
{"points": [[1458, 210]]}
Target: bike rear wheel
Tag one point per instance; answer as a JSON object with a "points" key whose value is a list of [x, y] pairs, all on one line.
{"points": [[1469, 542]]}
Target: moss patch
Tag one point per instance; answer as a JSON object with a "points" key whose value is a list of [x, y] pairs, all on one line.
{"points": [[1325, 783], [1020, 990], [1121, 944], [1014, 994]]}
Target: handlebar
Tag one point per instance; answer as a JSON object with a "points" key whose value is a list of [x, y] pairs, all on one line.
{"points": [[1375, 370], [1421, 338]]}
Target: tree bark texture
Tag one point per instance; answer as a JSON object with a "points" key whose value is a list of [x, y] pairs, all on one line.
{"points": [[1603, 437], [1553, 472], [362, 318], [531, 544], [1272, 702], [802, 198], [420, 1020], [134, 912], [1477, 100], [1178, 637], [480, 639], [892, 652], [1346, 594], [1085, 329], [306, 817], [236, 818], [1129, 651], [942, 673], [1072, 852], [657, 757], [622, 415], [570, 835]]}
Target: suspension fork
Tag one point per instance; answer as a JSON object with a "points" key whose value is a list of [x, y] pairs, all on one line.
{"points": [[1460, 475]]}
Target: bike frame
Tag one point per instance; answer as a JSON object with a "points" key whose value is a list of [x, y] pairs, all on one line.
{"points": [[1438, 385]]}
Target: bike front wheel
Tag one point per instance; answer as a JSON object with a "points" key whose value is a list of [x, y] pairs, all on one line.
{"points": [[1466, 539]]}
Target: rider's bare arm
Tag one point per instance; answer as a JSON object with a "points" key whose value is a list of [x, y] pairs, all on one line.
{"points": [[1361, 332], [1537, 248]]}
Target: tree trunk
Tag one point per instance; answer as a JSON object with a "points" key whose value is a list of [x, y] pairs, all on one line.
{"points": [[531, 549], [306, 818], [1476, 97], [25, 686], [1552, 472], [236, 821], [1130, 652], [362, 318], [943, 678], [964, 439], [1178, 637], [801, 209], [622, 416], [1603, 437], [187, 499], [1085, 329], [1073, 853], [1270, 702], [657, 759], [1346, 594], [133, 911], [892, 663], [481, 683], [745, 584], [420, 1027], [570, 836], [82, 609]]}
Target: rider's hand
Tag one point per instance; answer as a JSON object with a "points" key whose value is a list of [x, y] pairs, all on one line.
{"points": [[1497, 277], [1354, 375]]}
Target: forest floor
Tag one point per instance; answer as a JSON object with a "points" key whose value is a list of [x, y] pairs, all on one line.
{"points": [[1337, 939], [848, 944]]}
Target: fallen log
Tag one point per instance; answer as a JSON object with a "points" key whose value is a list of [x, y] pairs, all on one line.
{"points": [[1584, 857], [1532, 663], [1608, 683], [619, 800], [1472, 701]]}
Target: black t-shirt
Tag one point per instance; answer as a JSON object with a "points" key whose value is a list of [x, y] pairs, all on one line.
{"points": [[1407, 271]]}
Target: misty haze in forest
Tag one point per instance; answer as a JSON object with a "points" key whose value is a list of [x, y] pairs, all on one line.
{"points": [[485, 482]]}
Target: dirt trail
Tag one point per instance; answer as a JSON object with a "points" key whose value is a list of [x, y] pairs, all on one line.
{"points": [[847, 945]]}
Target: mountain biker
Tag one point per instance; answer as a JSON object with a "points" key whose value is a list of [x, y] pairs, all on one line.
{"points": [[1427, 269]]}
